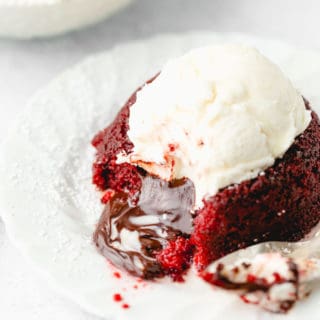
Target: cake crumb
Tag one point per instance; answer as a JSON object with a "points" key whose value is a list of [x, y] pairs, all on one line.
{"points": [[117, 297]]}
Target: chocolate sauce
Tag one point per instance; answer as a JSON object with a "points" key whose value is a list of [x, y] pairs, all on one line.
{"points": [[130, 233]]}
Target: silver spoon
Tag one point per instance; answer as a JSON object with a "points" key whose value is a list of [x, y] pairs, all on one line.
{"points": [[273, 275]]}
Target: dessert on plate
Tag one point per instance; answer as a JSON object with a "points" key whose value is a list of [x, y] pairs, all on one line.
{"points": [[217, 152]]}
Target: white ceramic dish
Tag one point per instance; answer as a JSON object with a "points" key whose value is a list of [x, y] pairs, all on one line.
{"points": [[40, 18], [50, 207]]}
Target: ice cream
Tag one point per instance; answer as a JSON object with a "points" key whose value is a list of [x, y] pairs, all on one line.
{"points": [[218, 115]]}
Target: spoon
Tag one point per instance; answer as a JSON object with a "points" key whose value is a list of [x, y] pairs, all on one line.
{"points": [[272, 275]]}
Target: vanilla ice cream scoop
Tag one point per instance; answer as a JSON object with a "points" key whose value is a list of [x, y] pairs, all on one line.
{"points": [[218, 115]]}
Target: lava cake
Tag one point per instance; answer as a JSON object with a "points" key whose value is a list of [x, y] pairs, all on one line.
{"points": [[216, 153]]}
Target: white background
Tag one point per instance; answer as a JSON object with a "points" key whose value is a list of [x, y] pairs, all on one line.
{"points": [[25, 66]]}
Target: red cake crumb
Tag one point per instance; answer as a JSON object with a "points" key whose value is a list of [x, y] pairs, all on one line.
{"points": [[117, 297], [282, 204], [125, 306], [108, 194], [251, 278], [172, 147], [175, 259], [277, 277], [117, 275]]}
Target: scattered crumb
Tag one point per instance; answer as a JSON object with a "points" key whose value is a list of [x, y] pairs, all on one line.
{"points": [[117, 297]]}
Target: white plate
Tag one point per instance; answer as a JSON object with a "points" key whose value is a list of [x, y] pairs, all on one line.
{"points": [[50, 207], [39, 18]]}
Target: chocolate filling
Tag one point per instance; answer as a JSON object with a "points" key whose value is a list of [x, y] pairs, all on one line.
{"points": [[130, 233]]}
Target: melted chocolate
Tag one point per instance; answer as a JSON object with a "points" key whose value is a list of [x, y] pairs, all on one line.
{"points": [[131, 233]]}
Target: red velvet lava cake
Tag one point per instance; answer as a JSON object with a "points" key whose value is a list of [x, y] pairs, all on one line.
{"points": [[152, 225]]}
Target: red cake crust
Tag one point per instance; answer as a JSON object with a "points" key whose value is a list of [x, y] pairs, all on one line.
{"points": [[282, 203]]}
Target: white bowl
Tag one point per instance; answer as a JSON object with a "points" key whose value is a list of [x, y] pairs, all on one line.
{"points": [[40, 18]]}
